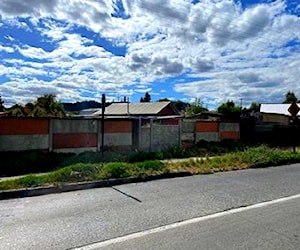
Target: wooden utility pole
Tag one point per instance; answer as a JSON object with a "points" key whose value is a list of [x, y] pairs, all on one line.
{"points": [[102, 124], [293, 110]]}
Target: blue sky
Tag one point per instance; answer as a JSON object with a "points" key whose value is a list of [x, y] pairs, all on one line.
{"points": [[215, 50]]}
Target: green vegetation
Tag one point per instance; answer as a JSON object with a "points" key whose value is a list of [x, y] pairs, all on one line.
{"points": [[44, 106], [290, 97], [29, 162], [146, 98], [195, 108], [229, 108], [253, 157]]}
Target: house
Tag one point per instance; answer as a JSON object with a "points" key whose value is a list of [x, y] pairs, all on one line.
{"points": [[164, 112], [276, 114]]}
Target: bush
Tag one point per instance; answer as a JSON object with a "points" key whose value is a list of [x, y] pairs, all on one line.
{"points": [[177, 152], [150, 165], [174, 152], [115, 170], [222, 147], [77, 172]]}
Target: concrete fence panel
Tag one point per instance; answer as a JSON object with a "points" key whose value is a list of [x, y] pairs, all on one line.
{"points": [[72, 126], [188, 133], [117, 134], [165, 137], [18, 134], [23, 126], [207, 130], [229, 131], [207, 126], [74, 135], [207, 136], [228, 126], [145, 139]]}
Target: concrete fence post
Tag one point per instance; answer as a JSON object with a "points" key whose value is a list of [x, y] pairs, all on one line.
{"points": [[179, 133], [151, 135], [51, 121], [140, 134], [98, 135]]}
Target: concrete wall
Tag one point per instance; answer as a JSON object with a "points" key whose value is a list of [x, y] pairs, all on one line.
{"points": [[24, 134], [207, 130], [63, 135], [159, 137], [78, 135], [74, 135], [165, 137], [188, 136], [194, 131], [229, 131], [117, 133], [145, 139]]}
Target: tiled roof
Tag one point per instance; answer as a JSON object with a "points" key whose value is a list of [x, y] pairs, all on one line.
{"points": [[143, 108], [276, 108]]}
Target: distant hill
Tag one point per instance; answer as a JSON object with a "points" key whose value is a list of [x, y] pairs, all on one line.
{"points": [[78, 106]]}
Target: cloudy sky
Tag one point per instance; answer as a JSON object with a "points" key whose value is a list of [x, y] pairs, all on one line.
{"points": [[215, 50]]}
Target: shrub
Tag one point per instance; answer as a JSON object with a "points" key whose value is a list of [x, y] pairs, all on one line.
{"points": [[141, 156], [115, 170], [150, 165], [77, 172], [177, 152]]}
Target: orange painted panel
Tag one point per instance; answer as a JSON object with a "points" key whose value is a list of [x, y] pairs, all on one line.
{"points": [[74, 140], [117, 126], [229, 135], [23, 126], [207, 126]]}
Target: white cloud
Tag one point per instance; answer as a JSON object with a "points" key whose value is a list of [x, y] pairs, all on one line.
{"points": [[6, 49], [240, 53]]}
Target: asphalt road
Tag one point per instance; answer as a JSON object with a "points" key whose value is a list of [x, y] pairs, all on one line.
{"points": [[266, 226], [82, 218]]}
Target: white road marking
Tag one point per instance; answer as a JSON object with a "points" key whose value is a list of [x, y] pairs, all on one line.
{"points": [[105, 243]]}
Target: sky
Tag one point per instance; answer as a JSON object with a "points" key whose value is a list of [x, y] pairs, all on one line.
{"points": [[216, 50]]}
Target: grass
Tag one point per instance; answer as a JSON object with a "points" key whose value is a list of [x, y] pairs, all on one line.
{"points": [[20, 163], [254, 157]]}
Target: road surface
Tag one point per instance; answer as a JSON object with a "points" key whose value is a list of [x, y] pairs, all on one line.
{"points": [[87, 218]]}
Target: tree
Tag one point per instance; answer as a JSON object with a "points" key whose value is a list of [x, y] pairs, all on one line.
{"points": [[164, 100], [17, 110], [195, 108], [48, 106], [44, 106], [254, 106], [147, 98], [2, 108], [229, 108], [290, 97], [180, 105], [28, 109]]}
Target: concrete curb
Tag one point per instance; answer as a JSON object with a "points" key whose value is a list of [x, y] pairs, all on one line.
{"points": [[35, 191]]}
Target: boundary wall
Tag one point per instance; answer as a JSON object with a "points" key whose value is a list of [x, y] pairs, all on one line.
{"points": [[194, 131], [124, 134], [63, 135]]}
